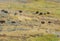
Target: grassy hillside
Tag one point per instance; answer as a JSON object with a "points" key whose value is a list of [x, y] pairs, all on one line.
{"points": [[39, 5], [32, 21]]}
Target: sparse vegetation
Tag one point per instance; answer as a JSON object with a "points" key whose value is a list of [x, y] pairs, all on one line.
{"points": [[30, 22]]}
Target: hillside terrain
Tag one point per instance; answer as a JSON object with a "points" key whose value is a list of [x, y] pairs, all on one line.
{"points": [[29, 20]]}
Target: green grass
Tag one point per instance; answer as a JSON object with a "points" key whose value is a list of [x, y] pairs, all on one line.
{"points": [[45, 38]]}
